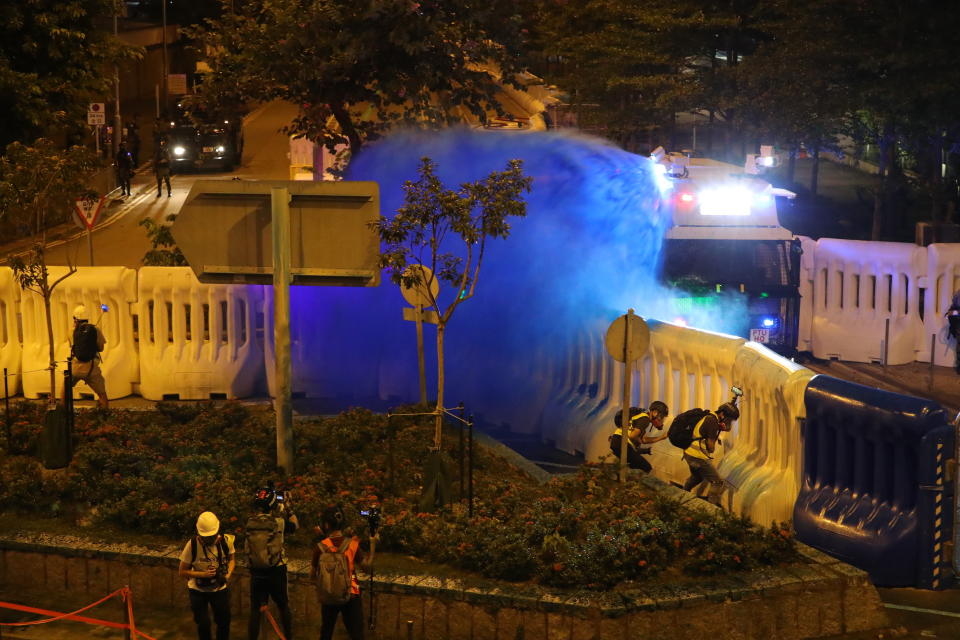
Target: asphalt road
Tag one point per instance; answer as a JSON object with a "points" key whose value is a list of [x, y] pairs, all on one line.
{"points": [[120, 241]]}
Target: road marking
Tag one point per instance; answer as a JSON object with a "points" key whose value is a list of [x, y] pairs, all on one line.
{"points": [[936, 612]]}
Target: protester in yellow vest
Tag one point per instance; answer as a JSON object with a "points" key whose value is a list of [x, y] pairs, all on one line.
{"points": [[640, 423], [700, 452]]}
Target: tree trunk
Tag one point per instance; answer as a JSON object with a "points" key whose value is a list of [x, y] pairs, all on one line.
{"points": [[438, 424], [936, 181], [879, 198], [815, 170], [45, 292], [346, 126], [792, 164]]}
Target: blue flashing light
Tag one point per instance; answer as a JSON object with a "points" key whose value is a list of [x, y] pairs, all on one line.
{"points": [[768, 322], [104, 308]]}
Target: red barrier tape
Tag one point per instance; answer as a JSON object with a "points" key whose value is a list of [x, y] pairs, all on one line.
{"points": [[124, 593], [265, 609]]}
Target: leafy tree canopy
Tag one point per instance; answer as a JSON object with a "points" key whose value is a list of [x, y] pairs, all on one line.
{"points": [[359, 67], [55, 57]]}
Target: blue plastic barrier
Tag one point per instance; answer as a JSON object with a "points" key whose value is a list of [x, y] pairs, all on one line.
{"points": [[874, 490]]}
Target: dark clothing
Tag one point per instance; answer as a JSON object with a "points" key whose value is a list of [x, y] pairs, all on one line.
{"points": [[701, 470], [953, 317], [265, 584], [161, 167], [124, 164], [352, 619], [219, 601], [635, 459]]}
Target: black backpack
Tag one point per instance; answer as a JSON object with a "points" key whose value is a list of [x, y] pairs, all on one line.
{"points": [[681, 429], [85, 342]]}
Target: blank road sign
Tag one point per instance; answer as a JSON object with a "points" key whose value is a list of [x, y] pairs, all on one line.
{"points": [[224, 232]]}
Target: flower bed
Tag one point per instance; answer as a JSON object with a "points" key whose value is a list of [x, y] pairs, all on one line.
{"points": [[153, 472]]}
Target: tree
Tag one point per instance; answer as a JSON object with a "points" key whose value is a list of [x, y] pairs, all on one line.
{"points": [[432, 219], [37, 183], [53, 57], [794, 90], [356, 68], [637, 64], [164, 251]]}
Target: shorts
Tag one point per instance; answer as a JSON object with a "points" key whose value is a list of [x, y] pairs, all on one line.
{"points": [[90, 373]]}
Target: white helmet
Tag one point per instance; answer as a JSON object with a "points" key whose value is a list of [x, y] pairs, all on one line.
{"points": [[80, 312], [208, 524]]}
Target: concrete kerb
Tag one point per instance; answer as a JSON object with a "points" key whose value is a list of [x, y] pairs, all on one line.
{"points": [[844, 598]]}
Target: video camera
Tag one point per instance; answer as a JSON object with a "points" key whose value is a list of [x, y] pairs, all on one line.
{"points": [[737, 393], [372, 515]]}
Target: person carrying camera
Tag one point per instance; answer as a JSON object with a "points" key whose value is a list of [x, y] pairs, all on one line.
{"points": [[334, 571], [640, 423], [266, 558], [698, 455], [207, 561], [88, 344]]}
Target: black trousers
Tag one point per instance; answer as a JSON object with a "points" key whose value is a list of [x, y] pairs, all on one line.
{"points": [[219, 601], [352, 619], [635, 459], [264, 585]]}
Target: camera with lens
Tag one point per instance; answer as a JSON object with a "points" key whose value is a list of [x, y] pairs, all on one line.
{"points": [[218, 580], [372, 516]]}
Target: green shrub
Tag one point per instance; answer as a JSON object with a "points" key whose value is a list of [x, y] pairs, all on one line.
{"points": [[156, 471]]}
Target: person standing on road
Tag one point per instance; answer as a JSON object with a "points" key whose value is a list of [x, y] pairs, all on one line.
{"points": [[88, 343], [953, 317], [267, 559], [161, 167], [208, 561], [337, 544], [698, 456], [124, 165], [133, 137], [640, 423]]}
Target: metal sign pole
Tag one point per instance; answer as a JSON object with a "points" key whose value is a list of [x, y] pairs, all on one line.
{"points": [[280, 206], [625, 409], [90, 243], [420, 360]]}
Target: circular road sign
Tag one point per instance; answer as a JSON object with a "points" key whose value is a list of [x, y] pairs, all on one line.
{"points": [[418, 295], [639, 337]]}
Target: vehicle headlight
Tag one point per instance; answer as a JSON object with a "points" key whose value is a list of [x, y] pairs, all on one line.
{"points": [[220, 149], [179, 151], [731, 200]]}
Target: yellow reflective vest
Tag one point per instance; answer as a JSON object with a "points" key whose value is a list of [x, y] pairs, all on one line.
{"points": [[698, 448]]}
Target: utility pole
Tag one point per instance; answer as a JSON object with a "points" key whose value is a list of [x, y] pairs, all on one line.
{"points": [[163, 14], [117, 121]]}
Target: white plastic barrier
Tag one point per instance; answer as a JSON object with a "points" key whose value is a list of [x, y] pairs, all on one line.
{"points": [[685, 368], [761, 458], [197, 341], [858, 286], [943, 280], [92, 287], [10, 347]]}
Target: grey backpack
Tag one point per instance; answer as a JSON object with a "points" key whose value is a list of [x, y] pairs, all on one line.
{"points": [[334, 579]]}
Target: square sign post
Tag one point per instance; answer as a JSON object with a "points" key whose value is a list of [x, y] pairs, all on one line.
{"points": [[281, 233]]}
